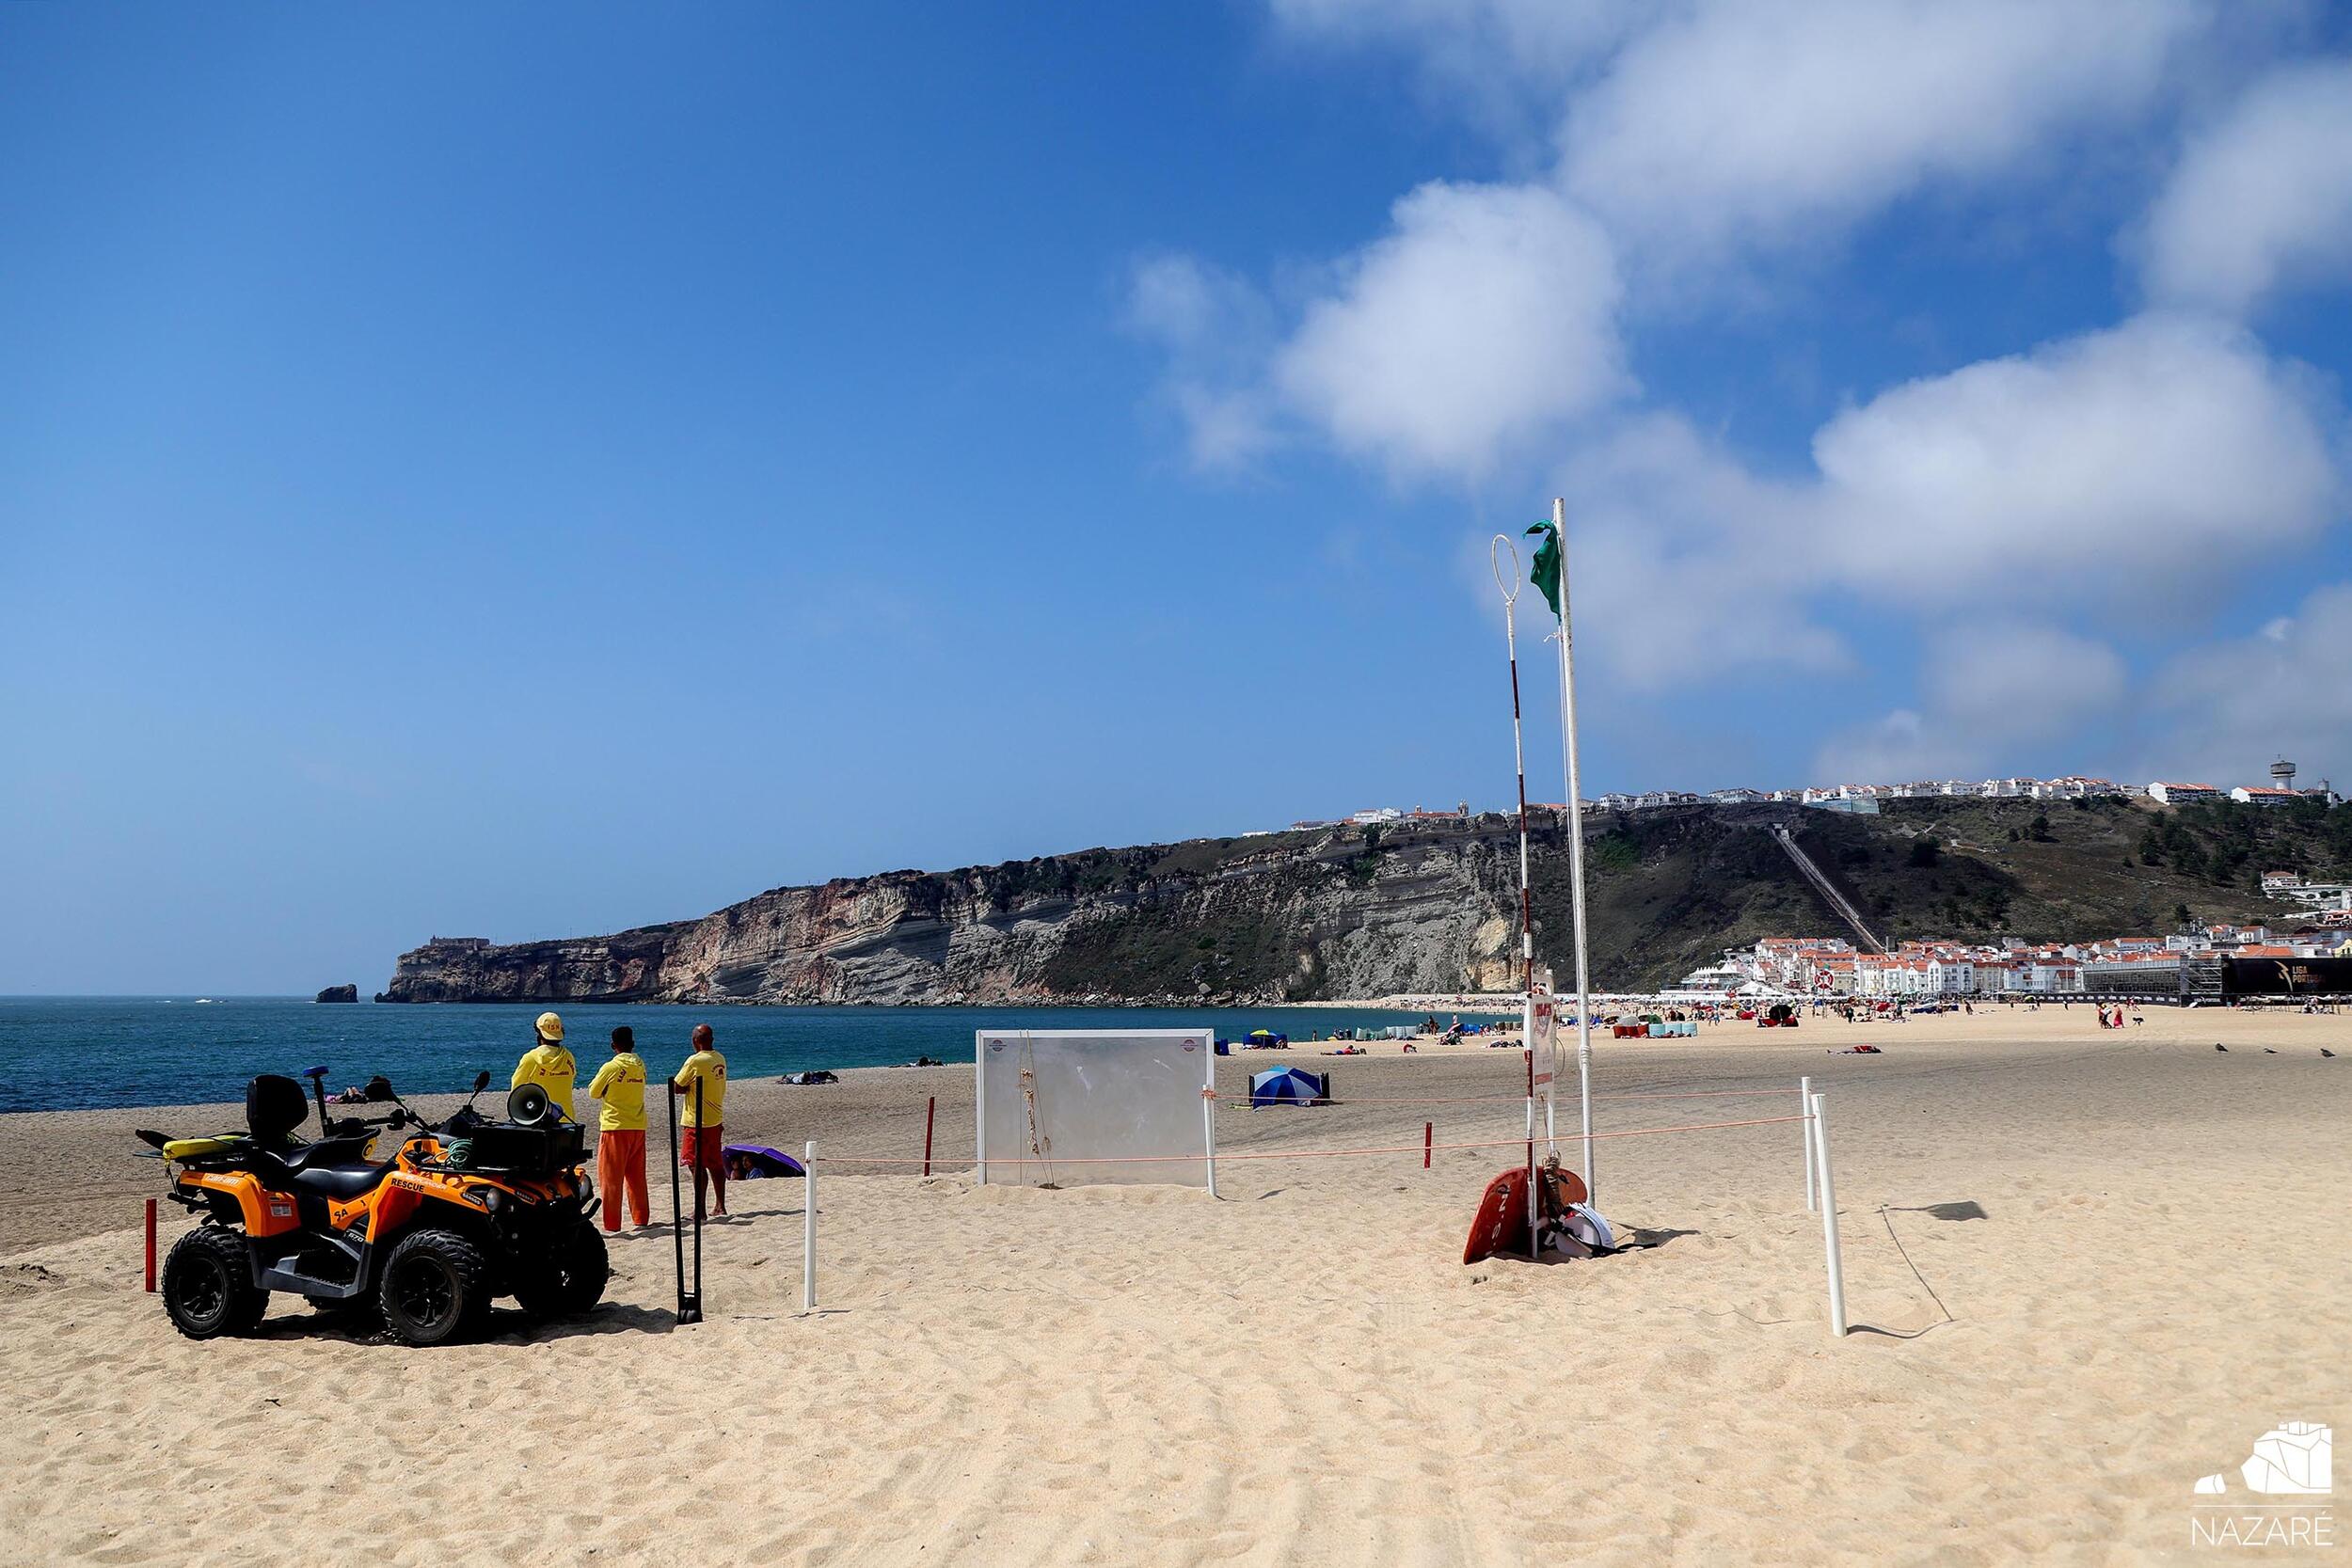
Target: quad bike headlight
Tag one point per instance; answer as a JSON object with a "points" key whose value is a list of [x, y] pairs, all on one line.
{"points": [[489, 1198], [587, 1186]]}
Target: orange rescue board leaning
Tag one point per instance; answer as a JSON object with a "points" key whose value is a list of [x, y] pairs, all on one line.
{"points": [[1501, 1227]]}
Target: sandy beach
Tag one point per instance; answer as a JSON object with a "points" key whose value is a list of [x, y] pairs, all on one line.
{"points": [[2087, 1268]]}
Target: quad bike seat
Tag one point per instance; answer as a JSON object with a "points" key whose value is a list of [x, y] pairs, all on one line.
{"points": [[339, 1181], [326, 1152]]}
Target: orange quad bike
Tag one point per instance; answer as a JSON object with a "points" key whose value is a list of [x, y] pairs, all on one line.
{"points": [[466, 1210]]}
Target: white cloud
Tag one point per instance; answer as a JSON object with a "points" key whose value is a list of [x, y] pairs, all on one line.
{"points": [[1691, 552], [1487, 319], [1903, 745], [1502, 64], [2221, 712], [1185, 303], [2030, 682], [1996, 694], [1484, 318], [2262, 199], [2115, 478], [2120, 460], [1736, 120], [2109, 480], [1217, 331]]}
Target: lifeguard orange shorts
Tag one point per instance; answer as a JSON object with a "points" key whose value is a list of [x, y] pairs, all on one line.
{"points": [[698, 1148]]}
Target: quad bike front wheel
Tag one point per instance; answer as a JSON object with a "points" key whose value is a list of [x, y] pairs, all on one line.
{"points": [[207, 1285], [570, 1279], [435, 1288]]}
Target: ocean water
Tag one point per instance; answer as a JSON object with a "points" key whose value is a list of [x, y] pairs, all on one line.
{"points": [[62, 1052]]}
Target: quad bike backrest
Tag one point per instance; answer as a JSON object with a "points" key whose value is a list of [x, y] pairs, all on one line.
{"points": [[274, 1107]]}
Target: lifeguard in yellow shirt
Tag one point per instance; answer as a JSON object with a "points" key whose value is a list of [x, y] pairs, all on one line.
{"points": [[548, 1064], [702, 1081], [620, 1086]]}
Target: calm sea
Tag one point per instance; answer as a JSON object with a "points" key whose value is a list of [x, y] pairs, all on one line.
{"points": [[60, 1053]]}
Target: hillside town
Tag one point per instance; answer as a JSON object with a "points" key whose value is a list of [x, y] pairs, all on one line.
{"points": [[1867, 798], [1920, 970]]}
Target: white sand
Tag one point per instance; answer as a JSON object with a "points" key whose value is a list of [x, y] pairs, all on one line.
{"points": [[1303, 1373]]}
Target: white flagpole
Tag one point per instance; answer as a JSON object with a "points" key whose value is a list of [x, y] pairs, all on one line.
{"points": [[1576, 847]]}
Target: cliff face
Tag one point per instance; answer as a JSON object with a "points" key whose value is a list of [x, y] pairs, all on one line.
{"points": [[1348, 912], [1298, 916]]}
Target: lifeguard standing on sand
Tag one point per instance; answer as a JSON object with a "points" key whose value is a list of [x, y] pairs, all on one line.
{"points": [[704, 1135], [548, 1064], [620, 1086]]}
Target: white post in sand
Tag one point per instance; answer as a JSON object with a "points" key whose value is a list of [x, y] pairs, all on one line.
{"points": [[1576, 846], [808, 1227], [1208, 1107], [1829, 1220], [979, 1111], [1805, 1108]]}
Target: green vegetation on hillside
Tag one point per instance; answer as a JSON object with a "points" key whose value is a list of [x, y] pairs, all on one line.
{"points": [[1669, 890]]}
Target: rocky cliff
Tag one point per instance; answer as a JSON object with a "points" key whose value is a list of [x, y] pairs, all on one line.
{"points": [[1349, 912]]}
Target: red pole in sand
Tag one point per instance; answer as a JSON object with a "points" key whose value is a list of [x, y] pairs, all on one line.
{"points": [[931, 1113], [150, 1246], [1428, 1131]]}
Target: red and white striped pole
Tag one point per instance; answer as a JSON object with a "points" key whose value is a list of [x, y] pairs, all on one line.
{"points": [[1509, 584]]}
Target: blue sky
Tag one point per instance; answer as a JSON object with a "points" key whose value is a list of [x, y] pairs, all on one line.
{"points": [[523, 472]]}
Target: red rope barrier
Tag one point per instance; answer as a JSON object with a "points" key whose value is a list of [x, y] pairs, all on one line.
{"points": [[1311, 1153], [1520, 1098], [1697, 1094], [1383, 1099]]}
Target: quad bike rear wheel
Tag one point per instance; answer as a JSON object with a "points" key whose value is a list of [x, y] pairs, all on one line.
{"points": [[208, 1285], [435, 1288], [571, 1278]]}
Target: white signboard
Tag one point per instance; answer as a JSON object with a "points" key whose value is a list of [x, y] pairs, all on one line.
{"points": [[1059, 1107], [1542, 1021]]}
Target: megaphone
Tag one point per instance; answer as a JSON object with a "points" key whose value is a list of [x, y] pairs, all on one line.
{"points": [[529, 1105]]}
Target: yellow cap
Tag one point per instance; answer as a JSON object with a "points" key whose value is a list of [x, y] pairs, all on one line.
{"points": [[550, 1027]]}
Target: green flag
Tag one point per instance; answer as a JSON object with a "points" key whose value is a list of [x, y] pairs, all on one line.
{"points": [[1545, 573]]}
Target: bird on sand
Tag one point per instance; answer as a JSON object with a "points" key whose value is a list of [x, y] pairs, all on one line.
{"points": [[2223, 1048]]}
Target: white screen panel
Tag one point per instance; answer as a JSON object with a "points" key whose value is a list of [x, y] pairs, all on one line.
{"points": [[1052, 1098]]}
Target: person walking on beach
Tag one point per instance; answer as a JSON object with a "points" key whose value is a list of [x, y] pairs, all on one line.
{"points": [[620, 1086], [704, 1137], [548, 1064]]}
